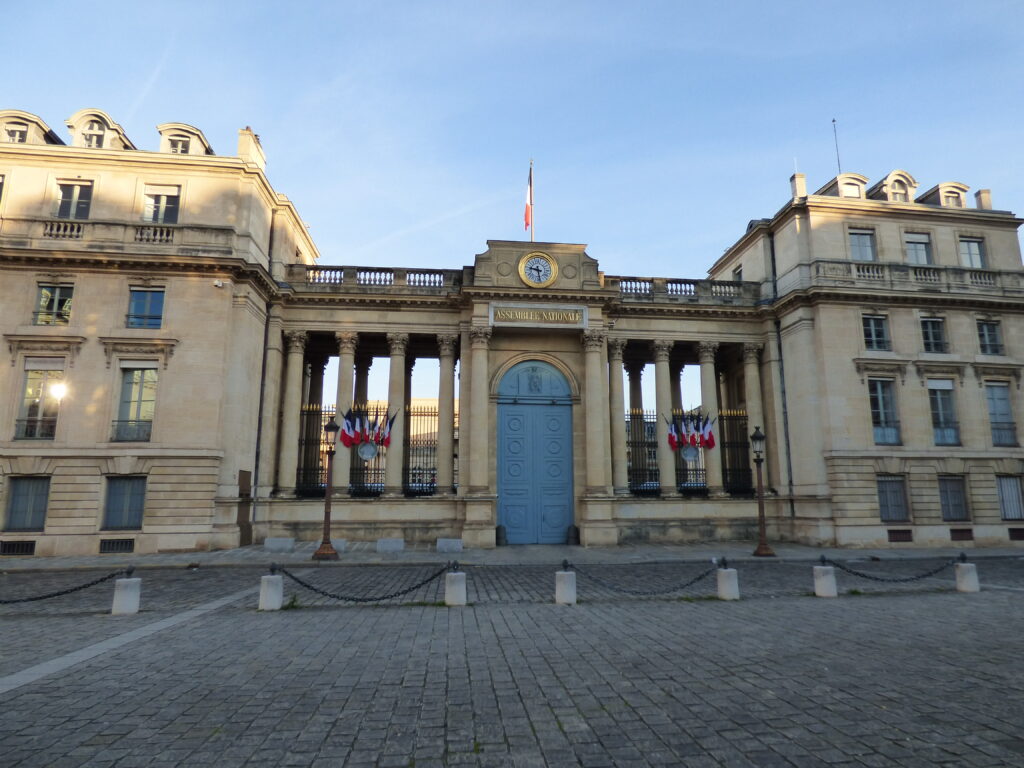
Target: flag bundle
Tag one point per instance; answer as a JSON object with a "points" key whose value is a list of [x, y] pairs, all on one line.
{"points": [[693, 429], [359, 427]]}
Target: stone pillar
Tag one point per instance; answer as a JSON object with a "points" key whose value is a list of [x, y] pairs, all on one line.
{"points": [[709, 404], [752, 386], [635, 371], [315, 395], [446, 412], [617, 416], [480, 439], [663, 398], [593, 344], [291, 412], [397, 343], [362, 385], [265, 481], [675, 372], [347, 341]]}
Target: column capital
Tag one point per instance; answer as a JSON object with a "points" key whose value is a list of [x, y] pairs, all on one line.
{"points": [[397, 342], [662, 349], [347, 341], [446, 344], [707, 350], [295, 340], [363, 362], [410, 363], [634, 368], [752, 352], [593, 340], [615, 348], [480, 336]]}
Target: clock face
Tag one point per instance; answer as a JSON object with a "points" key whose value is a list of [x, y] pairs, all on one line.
{"points": [[537, 269]]}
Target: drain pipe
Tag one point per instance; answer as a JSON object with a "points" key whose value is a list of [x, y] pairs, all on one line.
{"points": [[782, 381]]}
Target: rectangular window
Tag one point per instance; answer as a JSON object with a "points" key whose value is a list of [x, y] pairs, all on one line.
{"points": [[74, 201], [953, 497], [178, 145], [162, 204], [135, 411], [990, 340], [53, 305], [883, 412], [126, 499], [737, 274], [972, 252], [1000, 416], [944, 425], [919, 248], [892, 499], [862, 244], [1011, 505], [26, 503], [876, 332], [145, 308], [16, 133], [40, 403], [933, 334]]}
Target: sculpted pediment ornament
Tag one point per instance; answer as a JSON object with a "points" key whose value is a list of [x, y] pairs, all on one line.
{"points": [[58, 345], [162, 348], [1006, 370], [944, 369], [874, 367]]}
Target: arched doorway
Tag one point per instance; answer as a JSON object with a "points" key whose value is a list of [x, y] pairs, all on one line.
{"points": [[535, 501]]}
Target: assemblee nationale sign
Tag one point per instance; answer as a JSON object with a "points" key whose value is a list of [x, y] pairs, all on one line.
{"points": [[571, 317]]}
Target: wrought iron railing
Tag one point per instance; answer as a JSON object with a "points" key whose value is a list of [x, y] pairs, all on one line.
{"points": [[420, 464], [38, 428], [946, 433], [51, 317], [1004, 433], [143, 321], [642, 453], [887, 433], [131, 431]]}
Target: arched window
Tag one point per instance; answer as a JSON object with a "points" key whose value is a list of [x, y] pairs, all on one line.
{"points": [[92, 135]]}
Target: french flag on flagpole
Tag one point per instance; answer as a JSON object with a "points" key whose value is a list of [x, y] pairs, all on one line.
{"points": [[528, 213], [348, 431]]}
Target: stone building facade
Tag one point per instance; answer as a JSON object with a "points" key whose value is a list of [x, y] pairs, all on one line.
{"points": [[167, 327]]}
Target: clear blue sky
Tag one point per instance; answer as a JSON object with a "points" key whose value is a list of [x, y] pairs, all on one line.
{"points": [[403, 130]]}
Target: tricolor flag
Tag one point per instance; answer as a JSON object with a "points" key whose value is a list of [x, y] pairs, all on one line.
{"points": [[673, 435], [348, 431], [357, 428], [691, 429], [528, 213], [386, 438], [707, 436]]}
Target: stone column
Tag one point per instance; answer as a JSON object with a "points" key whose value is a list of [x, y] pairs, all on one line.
{"points": [[347, 341], [397, 343], [709, 403], [362, 385], [635, 371], [593, 344], [267, 477], [675, 372], [480, 439], [617, 416], [752, 386], [315, 395], [291, 412], [446, 412], [663, 398]]}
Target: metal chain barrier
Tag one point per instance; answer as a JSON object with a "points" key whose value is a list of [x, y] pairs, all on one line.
{"points": [[894, 579], [274, 568], [566, 565], [125, 572]]}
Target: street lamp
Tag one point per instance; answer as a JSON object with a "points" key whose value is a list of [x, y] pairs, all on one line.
{"points": [[757, 441], [326, 551]]}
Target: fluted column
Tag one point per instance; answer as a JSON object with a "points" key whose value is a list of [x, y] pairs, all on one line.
{"points": [[752, 386], [397, 343], [446, 412], [663, 410], [342, 464], [479, 459], [709, 403], [617, 415], [291, 412], [593, 344]]}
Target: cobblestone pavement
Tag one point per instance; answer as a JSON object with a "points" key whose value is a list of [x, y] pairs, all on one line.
{"points": [[911, 674]]}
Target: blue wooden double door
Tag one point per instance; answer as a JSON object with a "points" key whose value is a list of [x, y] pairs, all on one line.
{"points": [[535, 499]]}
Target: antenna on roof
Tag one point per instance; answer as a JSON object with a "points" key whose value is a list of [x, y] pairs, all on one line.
{"points": [[835, 136]]}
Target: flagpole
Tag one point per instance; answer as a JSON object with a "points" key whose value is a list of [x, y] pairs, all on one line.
{"points": [[533, 211]]}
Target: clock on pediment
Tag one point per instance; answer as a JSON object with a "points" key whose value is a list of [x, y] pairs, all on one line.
{"points": [[538, 270]]}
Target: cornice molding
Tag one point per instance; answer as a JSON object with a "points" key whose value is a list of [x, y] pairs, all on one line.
{"points": [[161, 348], [55, 345]]}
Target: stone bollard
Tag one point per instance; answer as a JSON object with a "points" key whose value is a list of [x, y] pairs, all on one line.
{"points": [[825, 581], [455, 588], [271, 593], [565, 587], [126, 596], [967, 578], [728, 584]]}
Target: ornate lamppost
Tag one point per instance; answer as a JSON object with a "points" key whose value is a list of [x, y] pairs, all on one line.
{"points": [[326, 551], [757, 441]]}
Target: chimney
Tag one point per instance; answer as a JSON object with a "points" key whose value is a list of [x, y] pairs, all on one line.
{"points": [[249, 148], [983, 197], [799, 184]]}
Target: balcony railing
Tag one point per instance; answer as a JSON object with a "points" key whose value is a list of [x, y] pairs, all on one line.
{"points": [[51, 318], [887, 433], [897, 276], [689, 291], [161, 235], [946, 433], [187, 239], [40, 428], [131, 431], [64, 230], [143, 321], [380, 278], [1004, 433]]}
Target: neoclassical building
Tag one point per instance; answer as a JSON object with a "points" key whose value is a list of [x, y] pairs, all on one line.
{"points": [[168, 327]]}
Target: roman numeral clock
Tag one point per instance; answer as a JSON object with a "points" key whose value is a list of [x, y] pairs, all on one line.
{"points": [[538, 270]]}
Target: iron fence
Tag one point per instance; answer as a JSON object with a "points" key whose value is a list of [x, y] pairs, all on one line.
{"points": [[733, 440], [642, 453]]}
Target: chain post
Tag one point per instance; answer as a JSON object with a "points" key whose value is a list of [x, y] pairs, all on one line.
{"points": [[566, 565], [129, 571], [723, 563], [273, 569], [963, 557]]}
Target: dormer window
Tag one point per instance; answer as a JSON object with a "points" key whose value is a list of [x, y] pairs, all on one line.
{"points": [[16, 133], [851, 190], [92, 135], [178, 144], [952, 200], [898, 192]]}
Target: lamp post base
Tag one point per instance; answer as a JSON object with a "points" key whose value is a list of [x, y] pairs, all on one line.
{"points": [[763, 550], [325, 552]]}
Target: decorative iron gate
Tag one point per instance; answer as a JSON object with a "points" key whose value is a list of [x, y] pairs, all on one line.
{"points": [[732, 434], [311, 477], [642, 453], [420, 463], [691, 479]]}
